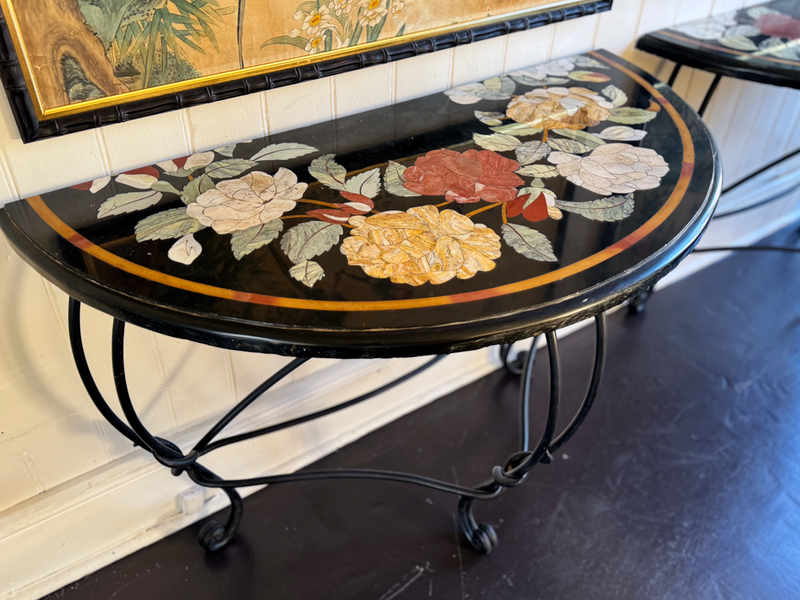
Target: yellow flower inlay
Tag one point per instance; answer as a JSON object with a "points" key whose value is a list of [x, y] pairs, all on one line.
{"points": [[420, 245]]}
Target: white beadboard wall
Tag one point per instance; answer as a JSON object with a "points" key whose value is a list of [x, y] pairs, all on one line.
{"points": [[73, 494]]}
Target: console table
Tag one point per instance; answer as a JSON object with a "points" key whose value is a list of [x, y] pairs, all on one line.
{"points": [[490, 213], [760, 43]]}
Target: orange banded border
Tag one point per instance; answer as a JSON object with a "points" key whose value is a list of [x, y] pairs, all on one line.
{"points": [[79, 241]]}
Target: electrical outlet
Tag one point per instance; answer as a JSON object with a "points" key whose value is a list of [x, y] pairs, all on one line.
{"points": [[192, 500]]}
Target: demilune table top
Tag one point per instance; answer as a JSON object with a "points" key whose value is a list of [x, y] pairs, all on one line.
{"points": [[483, 214], [759, 43]]}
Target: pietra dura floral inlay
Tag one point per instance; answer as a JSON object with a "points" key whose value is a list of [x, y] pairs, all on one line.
{"points": [[488, 212], [759, 43], [563, 120], [760, 29]]}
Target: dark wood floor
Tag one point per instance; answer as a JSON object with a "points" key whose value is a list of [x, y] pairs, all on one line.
{"points": [[683, 483]]}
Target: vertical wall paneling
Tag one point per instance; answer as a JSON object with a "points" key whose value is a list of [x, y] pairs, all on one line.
{"points": [[51, 164], [689, 10], [699, 85], [197, 379], [655, 14], [758, 143], [780, 136], [794, 140], [478, 61], [619, 34], [358, 91], [423, 74], [721, 6], [575, 36], [216, 124], [179, 386], [735, 142], [144, 141], [298, 105], [527, 48], [722, 107]]}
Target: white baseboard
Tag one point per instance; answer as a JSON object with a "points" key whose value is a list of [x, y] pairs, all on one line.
{"points": [[92, 521]]}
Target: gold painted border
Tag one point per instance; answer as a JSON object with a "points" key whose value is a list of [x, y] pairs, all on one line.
{"points": [[124, 98], [687, 169], [724, 50]]}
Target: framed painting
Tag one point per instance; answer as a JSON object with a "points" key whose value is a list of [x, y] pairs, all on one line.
{"points": [[70, 65]]}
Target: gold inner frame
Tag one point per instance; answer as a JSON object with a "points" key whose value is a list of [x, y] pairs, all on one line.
{"points": [[153, 92]]}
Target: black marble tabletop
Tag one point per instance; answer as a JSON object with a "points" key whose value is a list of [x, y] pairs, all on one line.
{"points": [[759, 43], [482, 214]]}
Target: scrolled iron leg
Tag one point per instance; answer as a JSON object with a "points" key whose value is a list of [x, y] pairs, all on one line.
{"points": [[482, 536], [516, 365], [214, 536]]}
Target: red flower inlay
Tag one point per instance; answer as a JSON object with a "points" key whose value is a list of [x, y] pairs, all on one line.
{"points": [[535, 211], [144, 171], [464, 178], [780, 26]]}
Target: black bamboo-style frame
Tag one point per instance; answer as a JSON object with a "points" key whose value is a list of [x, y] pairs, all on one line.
{"points": [[31, 128]]}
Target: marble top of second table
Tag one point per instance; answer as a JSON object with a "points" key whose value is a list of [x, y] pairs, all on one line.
{"points": [[759, 43]]}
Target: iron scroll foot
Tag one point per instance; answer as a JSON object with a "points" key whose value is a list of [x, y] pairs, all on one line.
{"points": [[214, 536], [481, 536]]}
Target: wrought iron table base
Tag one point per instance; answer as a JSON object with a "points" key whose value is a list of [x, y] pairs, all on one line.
{"points": [[213, 536]]}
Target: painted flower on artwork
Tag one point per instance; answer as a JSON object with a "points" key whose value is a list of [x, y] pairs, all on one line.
{"points": [[341, 6], [315, 44], [315, 21], [421, 245], [464, 178], [328, 25], [400, 5], [560, 108], [372, 11], [708, 29], [779, 26], [613, 168], [255, 199]]}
